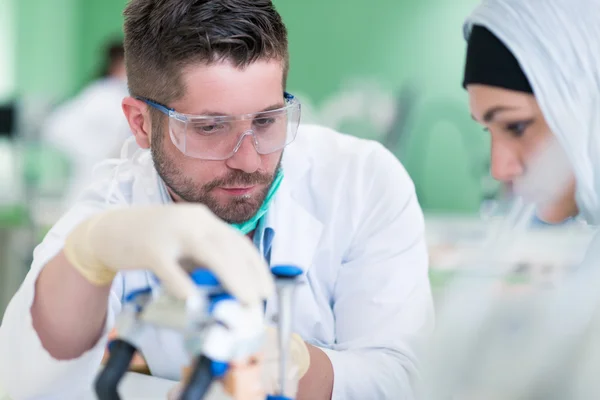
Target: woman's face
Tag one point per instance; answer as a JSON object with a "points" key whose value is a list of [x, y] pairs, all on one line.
{"points": [[524, 153]]}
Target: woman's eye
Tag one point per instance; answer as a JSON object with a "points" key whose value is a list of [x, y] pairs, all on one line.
{"points": [[517, 129]]}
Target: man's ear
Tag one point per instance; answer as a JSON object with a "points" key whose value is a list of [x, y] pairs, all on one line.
{"points": [[138, 117]]}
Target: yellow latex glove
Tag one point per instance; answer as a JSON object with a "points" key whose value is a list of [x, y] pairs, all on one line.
{"points": [[298, 363], [158, 238]]}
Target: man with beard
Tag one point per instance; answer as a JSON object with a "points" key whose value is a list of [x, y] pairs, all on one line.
{"points": [[216, 130]]}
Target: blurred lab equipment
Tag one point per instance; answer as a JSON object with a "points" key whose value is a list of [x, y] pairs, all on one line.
{"points": [[223, 338], [14, 222], [501, 337], [513, 309], [544, 256], [8, 119], [286, 283]]}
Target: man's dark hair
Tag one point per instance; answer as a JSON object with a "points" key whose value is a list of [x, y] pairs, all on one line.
{"points": [[162, 37]]}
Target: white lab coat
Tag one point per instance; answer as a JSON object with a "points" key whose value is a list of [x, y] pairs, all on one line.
{"points": [[88, 129], [346, 213]]}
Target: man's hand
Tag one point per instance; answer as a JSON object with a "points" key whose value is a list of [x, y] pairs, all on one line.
{"points": [[159, 238]]}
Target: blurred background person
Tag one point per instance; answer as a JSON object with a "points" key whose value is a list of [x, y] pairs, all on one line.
{"points": [[91, 126], [532, 78]]}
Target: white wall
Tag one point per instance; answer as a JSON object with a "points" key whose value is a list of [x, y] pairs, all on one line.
{"points": [[7, 50]]}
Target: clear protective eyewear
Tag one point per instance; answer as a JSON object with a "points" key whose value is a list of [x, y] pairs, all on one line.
{"points": [[220, 137]]}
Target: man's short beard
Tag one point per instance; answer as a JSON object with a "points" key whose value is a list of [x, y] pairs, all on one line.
{"points": [[238, 210]]}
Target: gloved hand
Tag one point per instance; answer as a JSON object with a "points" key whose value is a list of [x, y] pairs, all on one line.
{"points": [[297, 365], [239, 382], [158, 238]]}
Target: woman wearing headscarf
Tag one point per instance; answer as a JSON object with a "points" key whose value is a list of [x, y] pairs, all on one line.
{"points": [[533, 76], [532, 73]]}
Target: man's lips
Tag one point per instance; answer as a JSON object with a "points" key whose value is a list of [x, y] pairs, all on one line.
{"points": [[238, 191]]}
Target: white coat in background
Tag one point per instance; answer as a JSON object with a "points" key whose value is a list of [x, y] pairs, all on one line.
{"points": [[88, 129], [346, 213]]}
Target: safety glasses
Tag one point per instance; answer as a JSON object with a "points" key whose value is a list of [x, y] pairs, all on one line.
{"points": [[220, 137]]}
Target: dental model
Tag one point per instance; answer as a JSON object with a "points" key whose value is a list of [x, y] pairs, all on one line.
{"points": [[225, 340]]}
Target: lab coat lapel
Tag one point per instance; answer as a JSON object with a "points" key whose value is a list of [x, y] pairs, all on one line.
{"points": [[297, 230]]}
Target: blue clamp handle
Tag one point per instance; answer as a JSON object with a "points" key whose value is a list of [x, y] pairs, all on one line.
{"points": [[133, 295], [205, 278], [216, 299], [278, 397], [111, 345], [218, 369], [201, 277], [286, 271]]}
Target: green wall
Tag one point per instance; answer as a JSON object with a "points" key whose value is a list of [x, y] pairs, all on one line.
{"points": [[59, 43], [46, 53], [416, 45], [7, 49], [100, 20], [411, 50]]}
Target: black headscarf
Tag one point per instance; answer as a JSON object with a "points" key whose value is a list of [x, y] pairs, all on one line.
{"points": [[490, 62]]}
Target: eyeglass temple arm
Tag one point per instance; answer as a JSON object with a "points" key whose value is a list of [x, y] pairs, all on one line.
{"points": [[156, 105], [168, 111]]}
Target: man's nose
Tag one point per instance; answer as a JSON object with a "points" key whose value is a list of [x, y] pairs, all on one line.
{"points": [[246, 158]]}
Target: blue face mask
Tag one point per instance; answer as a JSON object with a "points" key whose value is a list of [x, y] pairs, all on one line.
{"points": [[250, 225]]}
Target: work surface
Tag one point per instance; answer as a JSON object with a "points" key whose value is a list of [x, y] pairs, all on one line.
{"points": [[138, 386], [143, 387]]}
